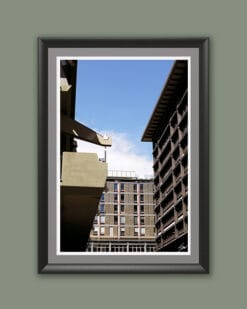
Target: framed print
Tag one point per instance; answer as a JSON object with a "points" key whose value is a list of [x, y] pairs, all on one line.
{"points": [[123, 155]]}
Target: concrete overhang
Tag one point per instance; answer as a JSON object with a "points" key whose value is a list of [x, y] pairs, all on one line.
{"points": [[82, 183]]}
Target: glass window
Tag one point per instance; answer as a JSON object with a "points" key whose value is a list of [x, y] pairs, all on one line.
{"points": [[102, 208], [122, 220], [102, 231], [135, 220], [141, 208], [115, 187], [122, 231], [136, 231], [142, 231], [95, 230], [96, 219], [102, 198], [111, 231], [102, 219]]}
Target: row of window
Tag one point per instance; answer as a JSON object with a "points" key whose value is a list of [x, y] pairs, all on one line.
{"points": [[101, 231], [122, 220], [120, 248], [122, 208], [102, 199], [122, 187]]}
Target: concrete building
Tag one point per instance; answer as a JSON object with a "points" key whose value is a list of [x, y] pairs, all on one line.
{"points": [[125, 218], [83, 175], [167, 129]]}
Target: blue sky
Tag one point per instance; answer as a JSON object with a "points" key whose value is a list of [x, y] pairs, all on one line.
{"points": [[117, 97]]}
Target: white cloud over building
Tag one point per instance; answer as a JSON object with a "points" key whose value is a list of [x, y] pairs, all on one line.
{"points": [[122, 156]]}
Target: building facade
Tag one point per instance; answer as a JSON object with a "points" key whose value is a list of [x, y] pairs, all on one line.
{"points": [[125, 219], [168, 131], [83, 175]]}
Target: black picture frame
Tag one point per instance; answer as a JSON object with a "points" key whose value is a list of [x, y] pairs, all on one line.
{"points": [[201, 263]]}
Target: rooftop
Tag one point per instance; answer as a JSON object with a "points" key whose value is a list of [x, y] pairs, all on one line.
{"points": [[166, 99]]}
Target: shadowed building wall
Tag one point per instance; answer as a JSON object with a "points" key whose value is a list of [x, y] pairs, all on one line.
{"points": [[168, 131], [83, 176]]}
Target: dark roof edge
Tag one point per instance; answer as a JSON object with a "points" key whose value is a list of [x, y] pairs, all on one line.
{"points": [[145, 138]]}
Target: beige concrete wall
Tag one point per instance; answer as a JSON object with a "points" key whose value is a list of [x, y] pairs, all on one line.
{"points": [[83, 170], [128, 212]]}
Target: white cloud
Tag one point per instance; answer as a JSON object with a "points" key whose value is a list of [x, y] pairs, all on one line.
{"points": [[122, 156]]}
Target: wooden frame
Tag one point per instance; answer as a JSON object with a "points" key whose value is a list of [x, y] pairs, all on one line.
{"points": [[50, 48]]}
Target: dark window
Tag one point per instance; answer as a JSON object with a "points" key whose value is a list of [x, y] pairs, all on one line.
{"points": [[102, 197], [122, 208], [115, 220], [142, 208], [135, 198], [135, 208], [122, 197], [102, 208], [135, 187], [135, 220], [115, 187], [115, 208], [141, 198], [122, 187], [141, 187], [142, 220], [115, 197]]}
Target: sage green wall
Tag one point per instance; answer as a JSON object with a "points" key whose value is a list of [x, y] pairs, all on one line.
{"points": [[21, 22]]}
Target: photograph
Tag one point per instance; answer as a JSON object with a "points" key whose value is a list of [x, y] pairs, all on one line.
{"points": [[123, 155]]}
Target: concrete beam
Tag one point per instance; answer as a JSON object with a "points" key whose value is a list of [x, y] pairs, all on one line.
{"points": [[76, 129]]}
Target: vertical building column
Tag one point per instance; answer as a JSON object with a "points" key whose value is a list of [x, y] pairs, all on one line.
{"points": [[118, 210]]}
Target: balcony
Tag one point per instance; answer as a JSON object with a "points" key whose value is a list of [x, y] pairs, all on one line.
{"points": [[164, 137], [178, 190], [168, 239], [167, 200], [156, 150], [157, 193], [166, 167], [167, 221], [82, 183]]}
